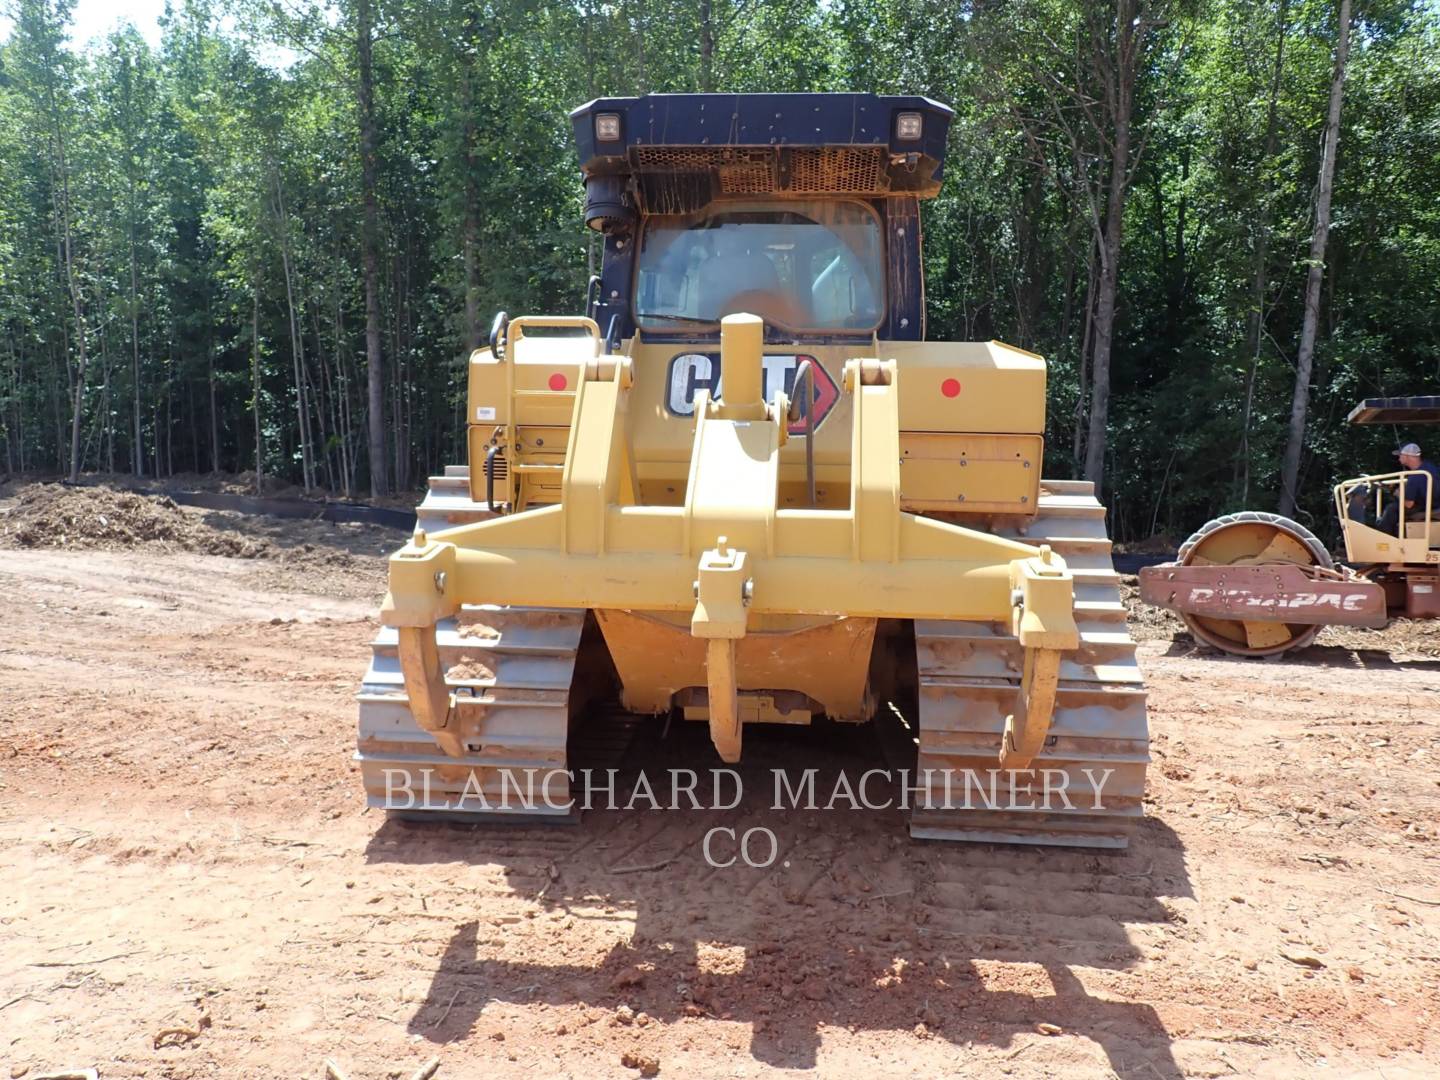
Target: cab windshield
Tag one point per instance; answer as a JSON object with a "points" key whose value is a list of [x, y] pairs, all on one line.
{"points": [[805, 265]]}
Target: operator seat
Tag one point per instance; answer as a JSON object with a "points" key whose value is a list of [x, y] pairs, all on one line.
{"points": [[722, 276]]}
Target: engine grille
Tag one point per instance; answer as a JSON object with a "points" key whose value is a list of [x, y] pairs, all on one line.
{"points": [[839, 169], [808, 170]]}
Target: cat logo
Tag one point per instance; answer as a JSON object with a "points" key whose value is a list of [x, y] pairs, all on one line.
{"points": [[692, 372]]}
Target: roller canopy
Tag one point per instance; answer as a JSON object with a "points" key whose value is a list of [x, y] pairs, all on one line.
{"points": [[1397, 410]]}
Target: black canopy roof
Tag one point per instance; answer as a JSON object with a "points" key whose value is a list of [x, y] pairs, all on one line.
{"points": [[1397, 410], [771, 143]]}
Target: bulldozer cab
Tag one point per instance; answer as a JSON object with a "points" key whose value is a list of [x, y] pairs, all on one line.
{"points": [[802, 210], [799, 208], [1360, 501]]}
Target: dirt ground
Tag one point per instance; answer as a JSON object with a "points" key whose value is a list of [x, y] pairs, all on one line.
{"points": [[192, 886], [241, 483]]}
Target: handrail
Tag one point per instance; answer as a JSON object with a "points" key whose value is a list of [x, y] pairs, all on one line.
{"points": [[519, 324], [1381, 481], [490, 479], [806, 372], [514, 330], [497, 334], [592, 294]]}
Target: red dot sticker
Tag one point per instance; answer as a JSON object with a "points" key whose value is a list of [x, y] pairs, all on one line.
{"points": [[950, 388], [559, 382]]}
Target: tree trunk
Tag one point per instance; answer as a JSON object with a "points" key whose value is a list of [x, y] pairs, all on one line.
{"points": [[707, 47], [297, 345], [347, 467], [170, 406], [107, 433], [470, 221], [370, 243], [1120, 95], [194, 426], [324, 399], [57, 412], [67, 246], [1030, 284], [47, 37], [13, 426], [1305, 359], [79, 402], [214, 412], [137, 453], [255, 393], [1256, 325], [1105, 298], [1087, 339]]}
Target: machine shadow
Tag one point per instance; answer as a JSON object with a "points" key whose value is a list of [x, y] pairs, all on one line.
{"points": [[853, 925], [1336, 656]]}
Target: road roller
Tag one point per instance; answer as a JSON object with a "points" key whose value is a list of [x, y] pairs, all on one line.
{"points": [[1258, 584]]}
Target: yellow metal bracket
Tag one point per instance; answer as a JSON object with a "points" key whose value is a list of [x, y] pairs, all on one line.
{"points": [[1042, 600], [599, 470], [1027, 728], [1042, 617], [430, 699], [422, 592], [723, 591], [423, 583]]}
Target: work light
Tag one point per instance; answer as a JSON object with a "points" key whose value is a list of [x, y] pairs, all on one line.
{"points": [[607, 127], [908, 126]]}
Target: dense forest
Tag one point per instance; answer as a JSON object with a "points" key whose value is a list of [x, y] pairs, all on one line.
{"points": [[1219, 220]]}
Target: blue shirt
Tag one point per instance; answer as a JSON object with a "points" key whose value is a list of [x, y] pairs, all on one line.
{"points": [[1415, 487]]}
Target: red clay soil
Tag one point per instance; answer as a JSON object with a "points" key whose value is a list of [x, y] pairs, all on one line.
{"points": [[193, 887]]}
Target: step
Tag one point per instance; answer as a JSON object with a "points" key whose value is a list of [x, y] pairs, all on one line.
{"points": [[531, 673], [1109, 611], [1067, 544], [444, 502], [450, 485], [1067, 487], [539, 747], [1065, 506], [1039, 529]]}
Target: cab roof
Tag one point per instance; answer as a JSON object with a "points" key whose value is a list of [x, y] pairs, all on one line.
{"points": [[770, 144]]}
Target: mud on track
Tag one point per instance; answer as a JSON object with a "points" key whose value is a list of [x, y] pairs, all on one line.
{"points": [[182, 836]]}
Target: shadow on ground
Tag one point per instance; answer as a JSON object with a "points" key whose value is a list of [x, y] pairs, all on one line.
{"points": [[852, 925], [1332, 656]]}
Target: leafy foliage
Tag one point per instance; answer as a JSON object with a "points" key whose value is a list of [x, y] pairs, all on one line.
{"points": [[210, 196]]}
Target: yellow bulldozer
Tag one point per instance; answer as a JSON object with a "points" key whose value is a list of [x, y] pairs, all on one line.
{"points": [[743, 489]]}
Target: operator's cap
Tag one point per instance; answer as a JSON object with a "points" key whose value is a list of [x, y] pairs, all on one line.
{"points": [[1408, 448]]}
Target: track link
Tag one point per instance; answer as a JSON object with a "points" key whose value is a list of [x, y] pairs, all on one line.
{"points": [[511, 670], [969, 674], [447, 502], [517, 700]]}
